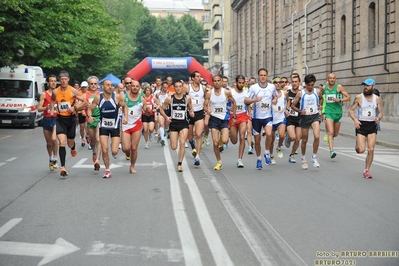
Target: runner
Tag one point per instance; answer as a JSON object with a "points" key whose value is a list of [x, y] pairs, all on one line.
{"points": [[49, 121], [216, 106], [180, 104], [365, 122], [162, 123], [65, 97], [108, 103], [148, 117], [132, 130], [82, 117]]}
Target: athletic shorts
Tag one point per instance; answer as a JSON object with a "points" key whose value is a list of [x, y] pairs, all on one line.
{"points": [[307, 120], [147, 118], [217, 123], [48, 123], [96, 120], [197, 116], [81, 118], [167, 112], [66, 125], [275, 126], [293, 121], [137, 127], [177, 127], [241, 118], [334, 117], [258, 124], [366, 128], [113, 132]]}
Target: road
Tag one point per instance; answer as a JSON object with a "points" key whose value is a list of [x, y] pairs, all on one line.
{"points": [[281, 215]]}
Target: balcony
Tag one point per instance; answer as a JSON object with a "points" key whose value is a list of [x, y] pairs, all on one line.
{"points": [[207, 46], [215, 3], [217, 34], [207, 26], [217, 11], [217, 59]]}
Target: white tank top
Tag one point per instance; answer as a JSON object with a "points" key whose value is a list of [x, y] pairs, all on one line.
{"points": [[367, 111], [219, 105], [197, 98], [279, 109], [239, 97]]}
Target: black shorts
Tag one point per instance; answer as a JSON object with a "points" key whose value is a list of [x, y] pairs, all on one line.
{"points": [[177, 126], [217, 123], [197, 116], [147, 118], [81, 118], [114, 132], [167, 112], [66, 125], [367, 127], [293, 121], [307, 120]]}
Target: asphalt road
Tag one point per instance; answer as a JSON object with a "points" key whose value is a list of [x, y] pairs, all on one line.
{"points": [[281, 215]]}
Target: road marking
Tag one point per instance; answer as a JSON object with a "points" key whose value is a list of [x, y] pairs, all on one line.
{"points": [[47, 251], [190, 249], [11, 159], [81, 164], [1, 164], [153, 164], [215, 244], [6, 137], [100, 249]]}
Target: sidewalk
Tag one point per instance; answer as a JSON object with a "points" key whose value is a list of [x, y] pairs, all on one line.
{"points": [[388, 136]]}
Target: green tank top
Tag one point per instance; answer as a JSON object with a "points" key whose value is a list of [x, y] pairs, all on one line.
{"points": [[131, 103], [329, 105], [96, 111]]}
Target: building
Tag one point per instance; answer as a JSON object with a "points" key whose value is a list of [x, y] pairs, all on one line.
{"points": [[354, 39], [178, 8], [218, 42]]}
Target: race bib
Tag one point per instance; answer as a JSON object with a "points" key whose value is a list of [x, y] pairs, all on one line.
{"points": [[368, 113], [64, 106], [240, 108], [279, 108], [197, 101], [135, 111], [264, 106], [179, 114], [293, 112], [311, 109], [330, 98], [218, 109], [108, 123]]}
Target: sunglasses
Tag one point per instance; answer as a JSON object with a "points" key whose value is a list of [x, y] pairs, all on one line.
{"points": [[277, 82], [93, 83], [128, 82]]}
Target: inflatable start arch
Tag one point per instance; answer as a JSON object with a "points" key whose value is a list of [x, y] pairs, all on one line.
{"points": [[166, 63]]}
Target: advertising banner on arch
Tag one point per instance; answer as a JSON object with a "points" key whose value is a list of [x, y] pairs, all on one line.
{"points": [[169, 63]]}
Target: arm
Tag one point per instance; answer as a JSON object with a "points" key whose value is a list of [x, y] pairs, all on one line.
{"points": [[82, 98], [164, 106], [40, 106], [230, 97], [190, 106], [296, 101], [52, 101], [93, 105], [120, 101], [379, 107], [352, 109], [342, 90]]}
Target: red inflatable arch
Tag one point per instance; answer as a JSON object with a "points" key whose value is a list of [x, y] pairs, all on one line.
{"points": [[165, 63]]}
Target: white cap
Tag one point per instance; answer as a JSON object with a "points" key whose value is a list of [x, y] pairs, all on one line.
{"points": [[84, 84]]}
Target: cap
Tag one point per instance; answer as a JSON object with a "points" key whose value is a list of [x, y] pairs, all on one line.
{"points": [[368, 82], [84, 84]]}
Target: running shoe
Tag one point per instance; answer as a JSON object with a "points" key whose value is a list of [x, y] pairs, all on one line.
{"points": [[107, 174], [304, 165], [51, 165], [315, 162], [296, 152], [115, 156], [196, 161], [55, 165], [74, 152], [267, 159], [87, 139], [207, 142], [83, 143], [250, 150], [179, 168], [151, 137], [366, 174], [333, 154], [325, 138], [218, 166], [146, 146], [240, 164], [162, 142], [63, 171], [89, 146], [279, 153], [94, 157], [127, 158], [221, 148], [292, 159], [225, 146], [120, 145], [186, 144], [159, 139], [287, 141], [194, 153], [96, 165], [259, 164], [277, 136], [203, 142], [272, 159]]}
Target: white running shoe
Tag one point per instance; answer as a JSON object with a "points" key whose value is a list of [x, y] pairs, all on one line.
{"points": [[304, 164], [315, 162]]}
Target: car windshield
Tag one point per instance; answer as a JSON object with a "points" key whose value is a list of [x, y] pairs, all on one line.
{"points": [[16, 89]]}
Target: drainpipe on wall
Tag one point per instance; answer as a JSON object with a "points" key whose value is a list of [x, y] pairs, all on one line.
{"points": [[332, 36], [292, 40], [386, 36], [275, 37], [306, 37], [353, 39]]}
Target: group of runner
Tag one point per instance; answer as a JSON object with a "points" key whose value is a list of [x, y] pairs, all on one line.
{"points": [[186, 111]]}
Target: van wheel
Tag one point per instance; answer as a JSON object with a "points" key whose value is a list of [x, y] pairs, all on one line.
{"points": [[32, 124]]}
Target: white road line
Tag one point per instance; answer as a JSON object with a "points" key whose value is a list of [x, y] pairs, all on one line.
{"points": [[189, 246], [1, 164], [9, 225], [11, 159], [216, 246]]}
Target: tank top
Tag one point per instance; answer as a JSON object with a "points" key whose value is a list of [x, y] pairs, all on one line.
{"points": [[90, 97], [309, 102], [46, 102], [219, 105], [65, 100], [162, 98], [197, 98], [150, 102], [109, 112], [134, 111], [332, 107], [279, 109], [179, 110], [368, 109], [291, 96], [239, 97]]}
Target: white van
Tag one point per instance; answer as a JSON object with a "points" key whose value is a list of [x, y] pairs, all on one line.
{"points": [[20, 90]]}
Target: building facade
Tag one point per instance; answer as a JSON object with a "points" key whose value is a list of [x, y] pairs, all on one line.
{"points": [[177, 8], [218, 41], [354, 39]]}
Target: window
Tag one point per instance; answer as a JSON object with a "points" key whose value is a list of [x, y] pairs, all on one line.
{"points": [[343, 35], [371, 26]]}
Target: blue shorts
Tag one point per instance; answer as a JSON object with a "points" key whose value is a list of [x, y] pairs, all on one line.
{"points": [[275, 126], [218, 123], [48, 123], [258, 124]]}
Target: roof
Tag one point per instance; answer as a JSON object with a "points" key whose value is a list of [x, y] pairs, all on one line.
{"points": [[177, 5]]}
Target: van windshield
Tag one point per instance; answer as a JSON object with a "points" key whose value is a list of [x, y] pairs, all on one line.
{"points": [[16, 88]]}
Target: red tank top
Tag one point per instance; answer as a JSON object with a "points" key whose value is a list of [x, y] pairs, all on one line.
{"points": [[150, 102], [46, 113]]}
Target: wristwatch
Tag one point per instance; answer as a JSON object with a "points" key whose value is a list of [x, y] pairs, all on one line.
{"points": [[234, 117]]}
